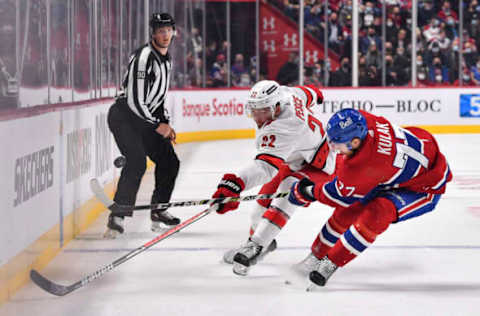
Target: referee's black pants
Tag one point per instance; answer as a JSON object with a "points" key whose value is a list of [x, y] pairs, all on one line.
{"points": [[136, 140]]}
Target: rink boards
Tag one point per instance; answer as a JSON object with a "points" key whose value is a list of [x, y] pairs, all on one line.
{"points": [[49, 158], [221, 114]]}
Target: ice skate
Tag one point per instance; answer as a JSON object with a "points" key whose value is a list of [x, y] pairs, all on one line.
{"points": [[298, 274], [114, 227], [304, 267], [228, 256], [247, 256], [324, 268], [162, 219]]}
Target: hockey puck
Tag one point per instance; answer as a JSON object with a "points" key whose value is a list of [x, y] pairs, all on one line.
{"points": [[120, 161]]}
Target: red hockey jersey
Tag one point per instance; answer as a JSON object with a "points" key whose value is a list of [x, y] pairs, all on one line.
{"points": [[390, 157]]}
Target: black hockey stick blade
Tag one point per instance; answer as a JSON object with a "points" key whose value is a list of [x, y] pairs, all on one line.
{"points": [[49, 286]]}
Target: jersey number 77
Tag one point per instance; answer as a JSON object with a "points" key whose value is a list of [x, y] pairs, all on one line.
{"points": [[409, 157]]}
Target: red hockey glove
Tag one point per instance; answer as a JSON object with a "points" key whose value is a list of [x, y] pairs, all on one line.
{"points": [[299, 194], [229, 186]]}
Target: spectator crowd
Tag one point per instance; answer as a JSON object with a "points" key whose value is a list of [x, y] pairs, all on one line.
{"points": [[438, 40], [438, 46]]}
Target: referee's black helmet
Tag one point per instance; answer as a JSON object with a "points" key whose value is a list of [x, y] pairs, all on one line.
{"points": [[161, 19]]}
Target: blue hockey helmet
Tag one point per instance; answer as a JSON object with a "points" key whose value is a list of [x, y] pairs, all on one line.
{"points": [[345, 125]]}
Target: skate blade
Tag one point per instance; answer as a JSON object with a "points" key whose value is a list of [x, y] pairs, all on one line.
{"points": [[159, 228], [311, 287], [297, 284], [111, 234], [300, 270], [240, 269], [296, 278]]}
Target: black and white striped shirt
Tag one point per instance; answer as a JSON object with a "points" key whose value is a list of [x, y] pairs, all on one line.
{"points": [[146, 84]]}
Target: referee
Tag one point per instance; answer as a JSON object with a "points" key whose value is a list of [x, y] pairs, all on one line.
{"points": [[140, 125]]}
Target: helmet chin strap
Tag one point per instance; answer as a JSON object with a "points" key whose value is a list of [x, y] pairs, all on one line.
{"points": [[275, 110]]}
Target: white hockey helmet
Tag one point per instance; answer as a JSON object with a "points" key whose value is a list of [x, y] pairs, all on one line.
{"points": [[264, 94]]}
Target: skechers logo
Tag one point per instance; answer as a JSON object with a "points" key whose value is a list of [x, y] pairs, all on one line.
{"points": [[33, 174]]}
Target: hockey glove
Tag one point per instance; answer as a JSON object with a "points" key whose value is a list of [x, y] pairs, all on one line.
{"points": [[229, 186], [301, 193]]}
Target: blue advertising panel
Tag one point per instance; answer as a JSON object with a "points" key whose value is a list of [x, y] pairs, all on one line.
{"points": [[470, 105]]}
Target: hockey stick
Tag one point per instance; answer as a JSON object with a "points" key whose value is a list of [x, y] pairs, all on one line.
{"points": [[117, 208], [61, 290]]}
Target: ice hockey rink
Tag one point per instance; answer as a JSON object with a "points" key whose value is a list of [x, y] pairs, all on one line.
{"points": [[425, 266]]}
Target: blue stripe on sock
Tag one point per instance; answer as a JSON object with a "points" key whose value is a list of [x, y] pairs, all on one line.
{"points": [[354, 242], [331, 238]]}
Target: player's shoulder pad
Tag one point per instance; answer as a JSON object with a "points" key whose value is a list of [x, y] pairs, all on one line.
{"points": [[310, 94]]}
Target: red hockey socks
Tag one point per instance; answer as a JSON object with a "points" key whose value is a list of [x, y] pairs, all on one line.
{"points": [[374, 220], [336, 225], [327, 237]]}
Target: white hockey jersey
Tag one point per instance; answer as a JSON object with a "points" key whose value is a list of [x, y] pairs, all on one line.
{"points": [[295, 138]]}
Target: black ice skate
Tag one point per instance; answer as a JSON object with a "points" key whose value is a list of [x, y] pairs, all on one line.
{"points": [[228, 256], [160, 217], [324, 269], [114, 226], [247, 256]]}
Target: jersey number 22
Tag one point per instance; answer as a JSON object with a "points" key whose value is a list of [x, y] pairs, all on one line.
{"points": [[268, 141]]}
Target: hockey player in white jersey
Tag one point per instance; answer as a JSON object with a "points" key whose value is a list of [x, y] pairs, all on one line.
{"points": [[291, 143]]}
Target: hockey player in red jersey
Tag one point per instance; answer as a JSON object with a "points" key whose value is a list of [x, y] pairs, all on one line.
{"points": [[291, 143], [388, 174]]}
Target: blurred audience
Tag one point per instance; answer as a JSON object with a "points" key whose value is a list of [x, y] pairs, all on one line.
{"points": [[342, 77], [288, 73], [437, 44]]}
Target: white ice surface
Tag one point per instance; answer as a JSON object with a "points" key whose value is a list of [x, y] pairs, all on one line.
{"points": [[424, 266]]}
